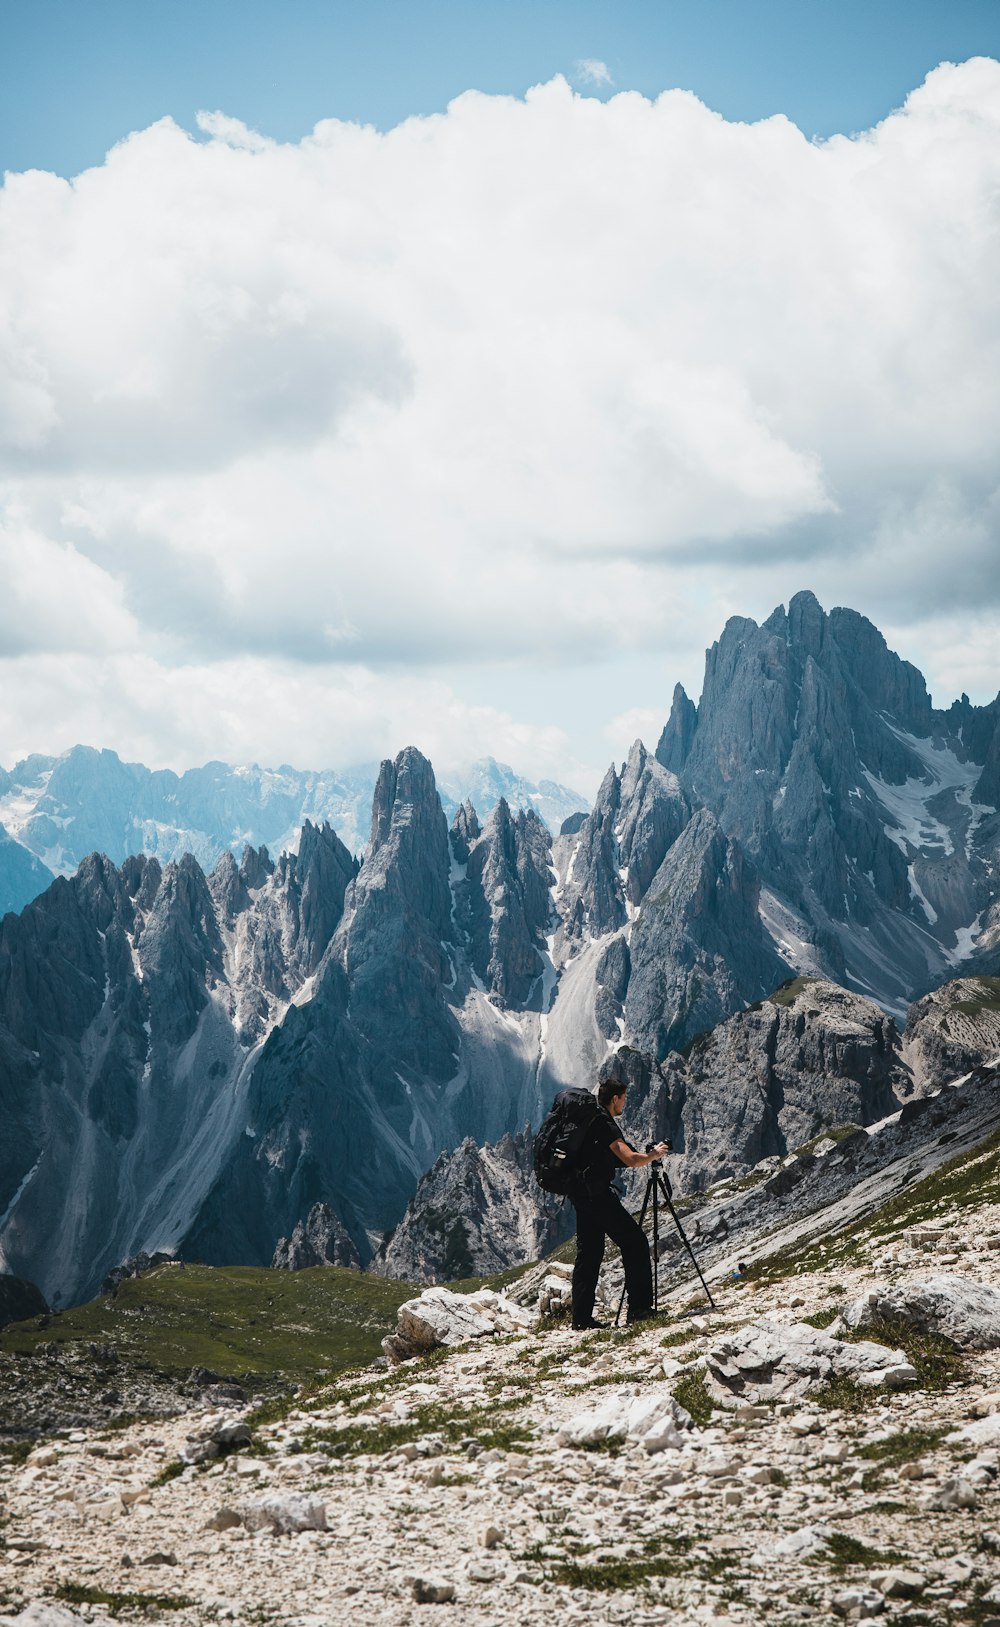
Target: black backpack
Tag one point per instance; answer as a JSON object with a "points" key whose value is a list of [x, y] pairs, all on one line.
{"points": [[561, 1139]]}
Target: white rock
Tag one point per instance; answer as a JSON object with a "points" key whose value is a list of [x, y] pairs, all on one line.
{"points": [[899, 1584], [284, 1512], [654, 1419], [858, 1603], [983, 1432], [432, 1590], [40, 1614], [956, 1493], [801, 1544], [957, 1307], [766, 1361], [439, 1317], [480, 1570]]}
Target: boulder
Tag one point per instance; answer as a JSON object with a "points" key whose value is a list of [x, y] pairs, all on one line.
{"points": [[966, 1312], [767, 1361], [654, 1419], [437, 1317], [284, 1512]]}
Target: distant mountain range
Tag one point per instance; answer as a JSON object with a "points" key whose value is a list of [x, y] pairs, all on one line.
{"points": [[54, 811], [192, 1061]]}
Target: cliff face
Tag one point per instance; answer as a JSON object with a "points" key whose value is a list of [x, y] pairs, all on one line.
{"points": [[195, 1061], [132, 1004], [954, 1029], [477, 1211]]}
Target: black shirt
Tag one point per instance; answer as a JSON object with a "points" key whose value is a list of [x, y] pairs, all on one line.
{"points": [[597, 1162]]}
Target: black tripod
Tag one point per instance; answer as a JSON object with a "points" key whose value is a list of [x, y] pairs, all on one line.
{"points": [[657, 1184]]}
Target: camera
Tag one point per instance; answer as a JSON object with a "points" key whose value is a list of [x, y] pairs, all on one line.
{"points": [[652, 1145]]}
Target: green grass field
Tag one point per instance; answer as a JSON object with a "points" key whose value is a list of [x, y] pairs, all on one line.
{"points": [[234, 1320]]}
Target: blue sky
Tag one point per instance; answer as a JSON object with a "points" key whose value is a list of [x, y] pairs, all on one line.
{"points": [[321, 437], [77, 75]]}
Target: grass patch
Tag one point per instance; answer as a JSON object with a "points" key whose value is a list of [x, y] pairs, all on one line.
{"points": [[787, 993], [636, 1375], [634, 1569], [169, 1472], [683, 1336], [843, 1551], [692, 1394], [14, 1453], [969, 1180], [938, 1362], [838, 1132], [238, 1321], [987, 1000], [905, 1447], [820, 1319], [78, 1593], [489, 1425]]}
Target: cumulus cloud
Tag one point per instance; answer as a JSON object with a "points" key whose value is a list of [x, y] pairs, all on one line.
{"points": [[528, 379]]}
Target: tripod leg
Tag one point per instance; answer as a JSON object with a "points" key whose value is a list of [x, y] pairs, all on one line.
{"points": [[656, 1245], [642, 1216], [683, 1236]]}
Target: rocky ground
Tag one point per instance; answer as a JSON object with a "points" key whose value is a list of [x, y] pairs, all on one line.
{"points": [[475, 1482]]}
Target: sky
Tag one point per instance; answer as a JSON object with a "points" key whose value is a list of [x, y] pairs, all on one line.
{"points": [[376, 374]]}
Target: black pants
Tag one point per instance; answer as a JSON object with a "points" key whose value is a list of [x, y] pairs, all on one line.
{"points": [[597, 1218]]}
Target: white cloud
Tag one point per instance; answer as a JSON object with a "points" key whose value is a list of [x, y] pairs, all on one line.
{"points": [[270, 711], [591, 71], [527, 380]]}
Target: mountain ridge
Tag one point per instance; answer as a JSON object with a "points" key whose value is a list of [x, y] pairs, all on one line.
{"points": [[194, 1060]]}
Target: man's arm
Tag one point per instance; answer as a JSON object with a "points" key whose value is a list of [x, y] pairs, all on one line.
{"points": [[637, 1160]]}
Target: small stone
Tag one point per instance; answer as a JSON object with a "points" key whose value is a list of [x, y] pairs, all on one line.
{"points": [[858, 1603], [489, 1536], [159, 1558], [432, 1590], [899, 1584], [480, 1570], [912, 1471], [955, 1493], [223, 1520]]}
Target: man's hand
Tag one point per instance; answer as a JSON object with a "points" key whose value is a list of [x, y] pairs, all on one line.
{"points": [[660, 1150]]}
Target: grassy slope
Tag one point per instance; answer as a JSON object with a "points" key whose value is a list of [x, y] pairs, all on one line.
{"points": [[234, 1320]]}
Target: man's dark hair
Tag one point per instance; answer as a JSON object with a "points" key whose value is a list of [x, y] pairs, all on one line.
{"points": [[609, 1088]]}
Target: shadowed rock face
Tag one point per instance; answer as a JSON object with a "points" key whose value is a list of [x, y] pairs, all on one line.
{"points": [[129, 1002], [195, 1062], [504, 904], [698, 950], [320, 1239], [819, 752], [22, 875], [477, 1211], [19, 1300], [954, 1029]]}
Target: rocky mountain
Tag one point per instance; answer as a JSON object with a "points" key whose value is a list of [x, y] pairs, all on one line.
{"points": [[320, 1239], [133, 1003], [193, 1061], [22, 876], [811, 1058], [57, 810], [871, 817], [478, 1210]]}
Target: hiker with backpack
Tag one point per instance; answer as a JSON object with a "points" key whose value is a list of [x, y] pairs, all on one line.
{"points": [[578, 1151]]}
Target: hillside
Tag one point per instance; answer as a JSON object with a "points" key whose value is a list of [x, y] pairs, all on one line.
{"points": [[549, 1475]]}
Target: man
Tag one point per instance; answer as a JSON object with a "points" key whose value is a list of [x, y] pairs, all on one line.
{"points": [[600, 1213]]}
